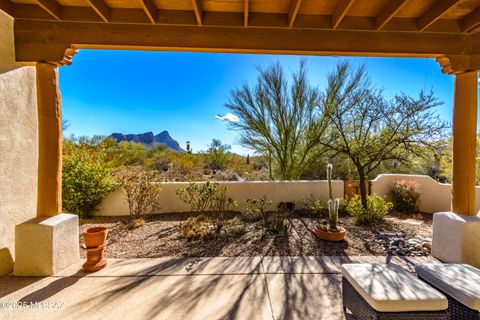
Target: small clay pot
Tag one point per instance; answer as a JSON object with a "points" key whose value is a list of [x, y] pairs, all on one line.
{"points": [[95, 237], [331, 235], [95, 242]]}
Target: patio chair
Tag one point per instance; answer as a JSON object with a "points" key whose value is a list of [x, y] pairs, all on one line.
{"points": [[460, 283], [386, 291]]}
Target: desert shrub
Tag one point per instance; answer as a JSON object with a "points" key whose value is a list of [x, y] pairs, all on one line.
{"points": [[217, 155], [272, 221], [236, 227], [221, 203], [86, 180], [208, 197], [377, 209], [197, 228], [198, 196], [276, 221], [317, 207], [405, 196], [255, 209], [226, 176], [142, 193]]}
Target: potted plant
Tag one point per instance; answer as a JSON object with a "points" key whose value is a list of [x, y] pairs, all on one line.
{"points": [[329, 230]]}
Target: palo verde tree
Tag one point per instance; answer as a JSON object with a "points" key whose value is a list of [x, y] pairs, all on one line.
{"points": [[279, 118], [371, 130]]}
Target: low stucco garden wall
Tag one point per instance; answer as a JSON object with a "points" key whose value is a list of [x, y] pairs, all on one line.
{"points": [[434, 196], [278, 191]]}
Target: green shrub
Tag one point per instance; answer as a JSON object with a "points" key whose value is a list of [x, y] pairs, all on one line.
{"points": [[377, 209], [317, 207], [217, 155], [255, 209], [405, 196], [199, 196], [86, 180], [197, 228]]}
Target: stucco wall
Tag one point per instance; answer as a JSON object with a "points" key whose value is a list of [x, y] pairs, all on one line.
{"points": [[434, 196], [292, 191], [18, 144]]}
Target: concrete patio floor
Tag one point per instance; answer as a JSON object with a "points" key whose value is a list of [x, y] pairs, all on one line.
{"points": [[188, 288]]}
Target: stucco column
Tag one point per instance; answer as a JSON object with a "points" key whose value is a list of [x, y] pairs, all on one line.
{"points": [[49, 102], [464, 143]]}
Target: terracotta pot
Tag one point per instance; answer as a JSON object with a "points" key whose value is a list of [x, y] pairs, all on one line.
{"points": [[95, 237], [95, 242], [331, 235]]}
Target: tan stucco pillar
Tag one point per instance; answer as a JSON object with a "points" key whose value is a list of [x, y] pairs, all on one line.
{"points": [[50, 141], [464, 143]]}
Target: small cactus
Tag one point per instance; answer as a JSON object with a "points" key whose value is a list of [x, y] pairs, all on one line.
{"points": [[333, 204], [329, 178]]}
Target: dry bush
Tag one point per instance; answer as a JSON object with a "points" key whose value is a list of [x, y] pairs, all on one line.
{"points": [[142, 193]]}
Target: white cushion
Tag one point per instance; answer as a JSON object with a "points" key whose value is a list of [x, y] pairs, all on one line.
{"points": [[460, 281], [389, 288]]}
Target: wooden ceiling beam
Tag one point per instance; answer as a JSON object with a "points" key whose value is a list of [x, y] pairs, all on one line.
{"points": [[470, 22], [246, 10], [48, 40], [101, 8], [5, 5], [294, 8], [434, 13], [388, 13], [198, 11], [51, 7], [340, 12], [150, 10]]}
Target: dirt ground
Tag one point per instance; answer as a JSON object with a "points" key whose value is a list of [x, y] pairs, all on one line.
{"points": [[160, 236]]}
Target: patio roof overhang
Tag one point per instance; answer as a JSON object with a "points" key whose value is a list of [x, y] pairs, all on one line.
{"points": [[49, 32]]}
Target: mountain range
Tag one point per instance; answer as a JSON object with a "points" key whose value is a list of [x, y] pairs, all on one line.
{"points": [[149, 139]]}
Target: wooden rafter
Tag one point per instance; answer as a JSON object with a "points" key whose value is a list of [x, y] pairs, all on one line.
{"points": [[5, 5], [471, 22], [388, 13], [295, 6], [435, 13], [227, 19], [198, 11], [150, 10], [51, 7], [101, 8], [340, 12], [246, 10]]}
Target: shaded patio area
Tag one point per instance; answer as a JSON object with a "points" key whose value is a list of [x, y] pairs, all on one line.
{"points": [[189, 288]]}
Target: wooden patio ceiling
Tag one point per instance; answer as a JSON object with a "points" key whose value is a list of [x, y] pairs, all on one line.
{"points": [[44, 29]]}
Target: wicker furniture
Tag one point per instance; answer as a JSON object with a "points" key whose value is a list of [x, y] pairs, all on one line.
{"points": [[460, 283], [385, 291]]}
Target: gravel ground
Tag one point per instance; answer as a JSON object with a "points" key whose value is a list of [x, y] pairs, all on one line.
{"points": [[160, 237]]}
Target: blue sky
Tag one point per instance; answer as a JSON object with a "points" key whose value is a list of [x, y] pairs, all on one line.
{"points": [[136, 91]]}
